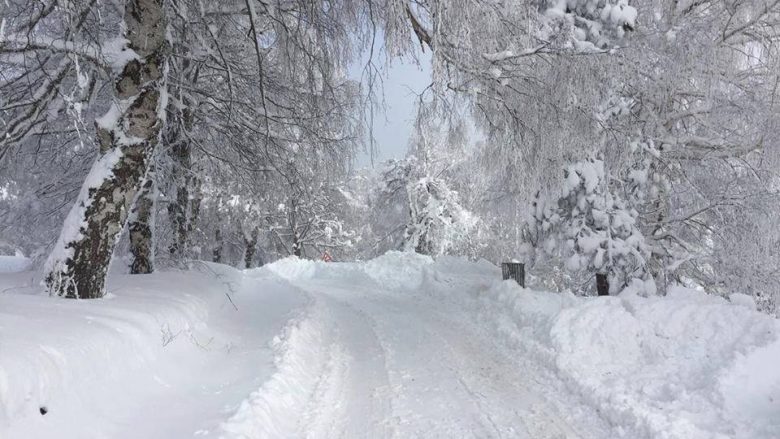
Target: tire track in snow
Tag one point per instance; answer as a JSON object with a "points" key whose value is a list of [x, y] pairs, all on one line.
{"points": [[331, 380], [307, 362], [501, 383], [445, 380], [356, 405]]}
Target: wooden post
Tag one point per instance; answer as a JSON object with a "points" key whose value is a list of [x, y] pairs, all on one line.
{"points": [[514, 270], [602, 284]]}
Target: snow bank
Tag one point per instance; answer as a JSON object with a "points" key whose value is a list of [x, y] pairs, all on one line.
{"points": [[686, 366], [51, 348], [290, 268], [14, 264], [304, 356], [149, 350], [393, 270], [398, 270]]}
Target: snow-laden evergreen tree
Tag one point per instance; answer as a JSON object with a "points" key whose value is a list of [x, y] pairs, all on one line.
{"points": [[590, 229]]}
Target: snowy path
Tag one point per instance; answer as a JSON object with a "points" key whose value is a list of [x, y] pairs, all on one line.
{"points": [[417, 370]]}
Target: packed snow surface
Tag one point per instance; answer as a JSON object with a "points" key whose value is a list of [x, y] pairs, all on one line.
{"points": [[400, 346]]}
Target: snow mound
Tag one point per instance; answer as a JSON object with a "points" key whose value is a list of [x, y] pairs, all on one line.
{"points": [[291, 268], [14, 264], [303, 357], [56, 346], [684, 366], [398, 270], [461, 266], [393, 270], [152, 349]]}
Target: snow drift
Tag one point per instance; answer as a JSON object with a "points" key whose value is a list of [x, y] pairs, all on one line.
{"points": [[688, 365], [169, 348], [304, 357], [14, 264]]}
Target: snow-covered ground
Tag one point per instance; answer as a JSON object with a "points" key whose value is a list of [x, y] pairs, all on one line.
{"points": [[400, 346], [163, 356]]}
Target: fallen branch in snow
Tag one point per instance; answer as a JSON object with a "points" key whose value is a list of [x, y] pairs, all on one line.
{"points": [[229, 298], [228, 284], [167, 335], [197, 343]]}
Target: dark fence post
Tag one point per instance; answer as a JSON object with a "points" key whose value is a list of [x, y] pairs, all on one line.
{"points": [[602, 284], [514, 270]]}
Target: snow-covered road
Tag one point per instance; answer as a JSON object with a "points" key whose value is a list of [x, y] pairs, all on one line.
{"points": [[415, 367], [397, 347], [398, 362]]}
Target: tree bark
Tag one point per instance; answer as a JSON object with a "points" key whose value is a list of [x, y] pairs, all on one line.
{"points": [[514, 271], [195, 201], [602, 284], [217, 255], [185, 206], [127, 135], [141, 228], [177, 211], [297, 247], [251, 247]]}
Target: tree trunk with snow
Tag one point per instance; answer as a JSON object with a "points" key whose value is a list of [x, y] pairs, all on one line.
{"points": [[297, 247], [177, 212], [185, 207], [196, 198], [127, 134], [217, 254], [251, 247], [141, 227]]}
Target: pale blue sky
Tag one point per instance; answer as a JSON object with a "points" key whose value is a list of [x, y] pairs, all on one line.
{"points": [[402, 81]]}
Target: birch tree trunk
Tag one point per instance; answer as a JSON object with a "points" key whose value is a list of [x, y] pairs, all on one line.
{"points": [[141, 227], [297, 247], [127, 134]]}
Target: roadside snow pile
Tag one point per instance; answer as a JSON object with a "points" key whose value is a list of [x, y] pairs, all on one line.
{"points": [[398, 270], [14, 264], [304, 357], [290, 268], [51, 349], [169, 348], [393, 270], [688, 365]]}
